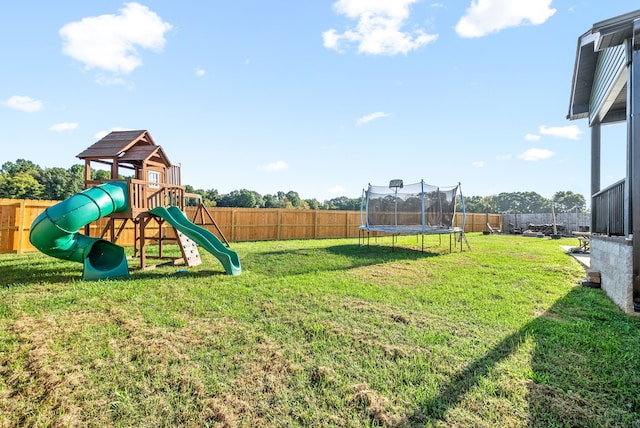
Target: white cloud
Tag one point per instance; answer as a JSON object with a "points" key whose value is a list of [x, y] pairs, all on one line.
{"points": [[275, 166], [371, 117], [378, 28], [535, 154], [490, 16], [23, 103], [200, 72], [572, 132], [477, 164], [532, 137], [110, 42], [64, 126]]}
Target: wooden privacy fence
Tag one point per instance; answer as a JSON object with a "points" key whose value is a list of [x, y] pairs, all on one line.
{"points": [[237, 224]]}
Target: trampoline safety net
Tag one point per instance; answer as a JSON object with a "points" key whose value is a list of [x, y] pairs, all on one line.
{"points": [[410, 208]]}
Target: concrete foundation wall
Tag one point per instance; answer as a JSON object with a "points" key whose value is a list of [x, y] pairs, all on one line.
{"points": [[612, 257]]}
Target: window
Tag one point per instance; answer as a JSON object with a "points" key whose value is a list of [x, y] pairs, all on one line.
{"points": [[153, 177]]}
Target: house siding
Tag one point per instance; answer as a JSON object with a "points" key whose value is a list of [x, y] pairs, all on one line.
{"points": [[611, 63]]}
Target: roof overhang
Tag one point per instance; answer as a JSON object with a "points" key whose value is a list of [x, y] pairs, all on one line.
{"points": [[603, 35]]}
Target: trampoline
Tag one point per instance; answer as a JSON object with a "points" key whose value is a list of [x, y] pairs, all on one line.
{"points": [[411, 209]]}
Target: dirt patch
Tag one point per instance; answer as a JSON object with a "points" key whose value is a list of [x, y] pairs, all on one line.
{"points": [[400, 274], [381, 311], [322, 375], [41, 382], [378, 407]]}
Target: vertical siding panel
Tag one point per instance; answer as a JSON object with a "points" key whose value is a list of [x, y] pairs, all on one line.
{"points": [[611, 63]]}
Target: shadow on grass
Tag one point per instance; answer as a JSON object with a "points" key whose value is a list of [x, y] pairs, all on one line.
{"points": [[31, 271], [177, 272], [584, 372], [312, 260], [36, 272]]}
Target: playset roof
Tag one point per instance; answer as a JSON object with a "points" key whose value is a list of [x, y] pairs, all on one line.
{"points": [[126, 146]]}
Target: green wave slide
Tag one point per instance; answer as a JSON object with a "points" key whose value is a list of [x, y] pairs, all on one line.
{"points": [[201, 236], [55, 231]]}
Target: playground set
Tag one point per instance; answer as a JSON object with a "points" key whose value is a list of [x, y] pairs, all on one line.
{"points": [[411, 209], [154, 193]]}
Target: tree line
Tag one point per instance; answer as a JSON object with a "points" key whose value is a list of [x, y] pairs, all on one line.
{"points": [[526, 203], [24, 179]]}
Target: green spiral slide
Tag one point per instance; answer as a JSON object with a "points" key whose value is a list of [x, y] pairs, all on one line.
{"points": [[55, 231], [201, 236]]}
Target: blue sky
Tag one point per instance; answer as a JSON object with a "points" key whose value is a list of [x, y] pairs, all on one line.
{"points": [[319, 97]]}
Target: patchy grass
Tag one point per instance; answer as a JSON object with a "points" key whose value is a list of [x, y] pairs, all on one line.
{"points": [[321, 333]]}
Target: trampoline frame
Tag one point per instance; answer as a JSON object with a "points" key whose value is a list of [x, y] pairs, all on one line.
{"points": [[395, 230]]}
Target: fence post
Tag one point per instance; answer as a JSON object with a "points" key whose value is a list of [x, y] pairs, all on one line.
{"points": [[233, 225], [315, 224], [278, 225], [20, 248], [346, 213]]}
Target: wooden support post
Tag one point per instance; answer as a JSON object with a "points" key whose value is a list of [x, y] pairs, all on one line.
{"points": [[120, 229], [136, 236], [201, 210], [144, 221], [160, 236]]}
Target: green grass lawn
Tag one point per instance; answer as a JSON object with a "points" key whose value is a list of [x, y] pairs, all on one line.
{"points": [[321, 333]]}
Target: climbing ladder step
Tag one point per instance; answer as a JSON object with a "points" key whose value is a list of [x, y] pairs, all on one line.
{"points": [[189, 250]]}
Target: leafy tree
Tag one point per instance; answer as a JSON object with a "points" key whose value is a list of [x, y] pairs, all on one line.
{"points": [[55, 182], [480, 204], [21, 165], [567, 201], [21, 185], [58, 183], [293, 199], [281, 199], [211, 197], [522, 202], [312, 204], [343, 203], [242, 198], [76, 178], [271, 201], [100, 174], [474, 204]]}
